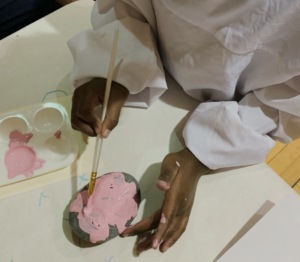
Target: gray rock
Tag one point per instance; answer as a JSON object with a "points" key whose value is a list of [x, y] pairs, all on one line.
{"points": [[113, 230]]}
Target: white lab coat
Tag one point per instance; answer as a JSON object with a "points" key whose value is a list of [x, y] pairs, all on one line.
{"points": [[240, 59]]}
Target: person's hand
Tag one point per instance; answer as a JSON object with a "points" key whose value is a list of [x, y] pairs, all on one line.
{"points": [[90, 96], [179, 176]]}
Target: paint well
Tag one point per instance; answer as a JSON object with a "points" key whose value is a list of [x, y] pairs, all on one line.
{"points": [[48, 119], [10, 124], [57, 134], [56, 150], [20, 158]]}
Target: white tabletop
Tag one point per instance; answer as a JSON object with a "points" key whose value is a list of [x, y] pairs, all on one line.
{"points": [[36, 59], [33, 225]]}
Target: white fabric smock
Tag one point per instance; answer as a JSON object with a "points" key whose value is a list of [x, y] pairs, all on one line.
{"points": [[240, 59]]}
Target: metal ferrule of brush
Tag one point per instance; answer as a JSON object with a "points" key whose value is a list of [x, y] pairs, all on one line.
{"points": [[92, 183]]}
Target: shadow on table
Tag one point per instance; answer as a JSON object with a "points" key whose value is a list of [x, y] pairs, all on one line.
{"points": [[149, 192], [265, 208], [176, 97]]}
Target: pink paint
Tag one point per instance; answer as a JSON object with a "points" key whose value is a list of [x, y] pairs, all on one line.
{"points": [[57, 134], [177, 163], [112, 203], [20, 158], [163, 218]]}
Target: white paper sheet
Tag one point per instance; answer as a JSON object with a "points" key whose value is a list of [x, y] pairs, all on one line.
{"points": [[35, 62], [275, 238], [33, 225]]}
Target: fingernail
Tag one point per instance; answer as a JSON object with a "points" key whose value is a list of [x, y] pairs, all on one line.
{"points": [[124, 235], [161, 242], [177, 163], [163, 218], [155, 244], [106, 133], [166, 249], [162, 185], [97, 130]]}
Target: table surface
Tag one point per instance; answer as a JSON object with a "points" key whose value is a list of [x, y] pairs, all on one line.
{"points": [[36, 61]]}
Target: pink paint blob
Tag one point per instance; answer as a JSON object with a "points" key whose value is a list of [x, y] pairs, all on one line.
{"points": [[177, 163], [163, 218], [57, 134], [112, 203], [20, 158]]}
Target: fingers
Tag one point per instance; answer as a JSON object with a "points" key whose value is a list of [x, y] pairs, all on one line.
{"points": [[144, 225], [172, 217], [85, 99], [177, 228], [170, 229], [144, 243], [80, 125], [117, 99], [174, 233], [89, 116], [169, 170], [88, 97], [168, 215], [85, 111]]}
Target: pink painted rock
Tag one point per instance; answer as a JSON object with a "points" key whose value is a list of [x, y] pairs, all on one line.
{"points": [[113, 207]]}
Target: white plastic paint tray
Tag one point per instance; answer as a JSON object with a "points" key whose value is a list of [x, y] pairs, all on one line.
{"points": [[42, 121]]}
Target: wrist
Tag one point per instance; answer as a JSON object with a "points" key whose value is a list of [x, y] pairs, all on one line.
{"points": [[199, 168]]}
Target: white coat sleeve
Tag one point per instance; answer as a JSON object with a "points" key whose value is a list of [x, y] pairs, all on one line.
{"points": [[138, 66], [230, 134]]}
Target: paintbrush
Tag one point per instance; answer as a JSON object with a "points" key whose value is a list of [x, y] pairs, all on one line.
{"points": [[99, 139]]}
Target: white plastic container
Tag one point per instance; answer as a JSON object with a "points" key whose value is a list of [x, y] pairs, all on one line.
{"points": [[42, 121]]}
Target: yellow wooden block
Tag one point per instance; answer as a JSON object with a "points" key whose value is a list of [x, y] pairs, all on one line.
{"points": [[292, 173], [275, 150], [297, 189], [286, 160]]}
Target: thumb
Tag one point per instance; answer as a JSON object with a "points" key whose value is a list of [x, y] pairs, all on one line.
{"points": [[117, 99], [169, 170]]}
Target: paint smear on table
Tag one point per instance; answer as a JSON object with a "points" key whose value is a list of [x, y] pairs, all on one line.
{"points": [[112, 203], [58, 134], [20, 158]]}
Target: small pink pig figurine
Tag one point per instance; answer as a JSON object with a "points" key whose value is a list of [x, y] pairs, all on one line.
{"points": [[20, 158]]}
